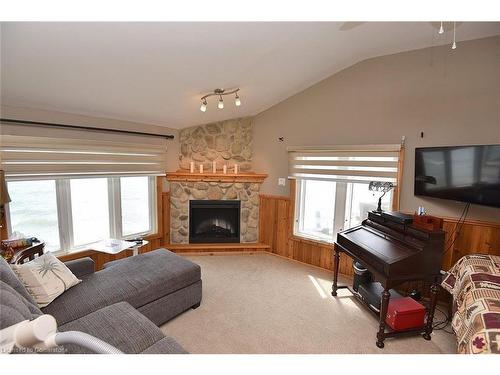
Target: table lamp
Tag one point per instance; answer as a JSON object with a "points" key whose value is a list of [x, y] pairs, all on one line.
{"points": [[383, 186]]}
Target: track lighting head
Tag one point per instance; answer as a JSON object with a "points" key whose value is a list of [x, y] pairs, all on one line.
{"points": [[203, 107], [220, 103]]}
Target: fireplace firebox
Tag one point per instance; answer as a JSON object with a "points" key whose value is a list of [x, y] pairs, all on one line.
{"points": [[214, 221]]}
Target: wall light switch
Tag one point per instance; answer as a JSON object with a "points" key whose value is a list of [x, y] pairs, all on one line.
{"points": [[281, 181]]}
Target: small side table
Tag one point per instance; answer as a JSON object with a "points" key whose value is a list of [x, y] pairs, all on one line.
{"points": [[113, 246], [137, 247]]}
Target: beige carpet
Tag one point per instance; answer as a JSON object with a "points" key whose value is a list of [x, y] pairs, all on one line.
{"points": [[266, 304]]}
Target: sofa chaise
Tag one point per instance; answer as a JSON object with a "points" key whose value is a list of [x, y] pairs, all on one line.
{"points": [[123, 304]]}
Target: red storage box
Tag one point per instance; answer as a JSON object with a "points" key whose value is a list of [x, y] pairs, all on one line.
{"points": [[405, 313]]}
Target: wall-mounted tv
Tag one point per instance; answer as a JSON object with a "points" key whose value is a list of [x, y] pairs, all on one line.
{"points": [[461, 173]]}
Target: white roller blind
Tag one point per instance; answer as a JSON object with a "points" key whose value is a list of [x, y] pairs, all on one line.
{"points": [[30, 152], [363, 163]]}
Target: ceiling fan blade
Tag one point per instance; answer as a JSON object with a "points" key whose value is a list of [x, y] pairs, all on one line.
{"points": [[346, 26]]}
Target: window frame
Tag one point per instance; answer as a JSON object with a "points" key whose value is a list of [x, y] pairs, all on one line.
{"points": [[152, 200], [65, 214]]}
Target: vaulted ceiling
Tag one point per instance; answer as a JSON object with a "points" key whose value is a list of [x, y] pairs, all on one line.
{"points": [[155, 73]]}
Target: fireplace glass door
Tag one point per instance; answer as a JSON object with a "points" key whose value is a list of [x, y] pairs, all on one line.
{"points": [[214, 221]]}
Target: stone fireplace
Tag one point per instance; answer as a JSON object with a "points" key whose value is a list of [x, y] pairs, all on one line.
{"points": [[182, 192], [226, 143]]}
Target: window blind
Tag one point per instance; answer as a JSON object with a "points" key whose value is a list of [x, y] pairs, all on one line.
{"points": [[363, 163], [30, 152]]}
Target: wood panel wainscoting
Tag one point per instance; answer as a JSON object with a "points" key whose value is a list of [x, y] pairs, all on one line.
{"points": [[276, 230]]}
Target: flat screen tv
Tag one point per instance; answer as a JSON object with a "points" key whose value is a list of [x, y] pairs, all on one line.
{"points": [[461, 173]]}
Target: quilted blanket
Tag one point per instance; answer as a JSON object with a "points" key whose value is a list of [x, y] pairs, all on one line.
{"points": [[474, 282]]}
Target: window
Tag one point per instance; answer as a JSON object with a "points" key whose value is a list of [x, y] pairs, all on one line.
{"points": [[72, 213], [324, 208], [332, 185], [316, 219], [360, 201], [33, 210], [90, 210], [136, 205]]}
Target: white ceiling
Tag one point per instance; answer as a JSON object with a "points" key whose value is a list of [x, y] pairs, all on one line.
{"points": [[156, 72]]}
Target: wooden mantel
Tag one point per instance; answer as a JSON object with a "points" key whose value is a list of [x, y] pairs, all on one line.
{"points": [[182, 175]]}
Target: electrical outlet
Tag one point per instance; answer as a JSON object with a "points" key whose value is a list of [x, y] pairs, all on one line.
{"points": [[281, 181]]}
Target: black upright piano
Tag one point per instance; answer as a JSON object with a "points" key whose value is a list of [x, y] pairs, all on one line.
{"points": [[394, 251]]}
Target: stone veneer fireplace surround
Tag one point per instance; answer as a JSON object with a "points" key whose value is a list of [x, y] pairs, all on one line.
{"points": [[181, 192], [225, 142]]}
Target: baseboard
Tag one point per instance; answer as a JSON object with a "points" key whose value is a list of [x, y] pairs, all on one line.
{"points": [[218, 253]]}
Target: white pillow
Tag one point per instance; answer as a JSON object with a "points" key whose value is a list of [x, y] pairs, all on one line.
{"points": [[45, 278]]}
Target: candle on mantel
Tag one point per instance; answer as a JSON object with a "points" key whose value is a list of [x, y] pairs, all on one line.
{"points": [[201, 168], [214, 167], [236, 169], [224, 169], [191, 167]]}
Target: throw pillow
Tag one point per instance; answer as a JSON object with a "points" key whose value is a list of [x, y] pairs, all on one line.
{"points": [[45, 278]]}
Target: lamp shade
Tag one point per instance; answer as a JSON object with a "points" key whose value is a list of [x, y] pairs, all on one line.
{"points": [[4, 194]]}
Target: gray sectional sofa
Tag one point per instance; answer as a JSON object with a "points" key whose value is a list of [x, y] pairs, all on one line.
{"points": [[123, 304]]}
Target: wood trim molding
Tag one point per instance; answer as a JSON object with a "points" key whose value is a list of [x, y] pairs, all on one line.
{"points": [[186, 176], [3, 228], [159, 205], [166, 217], [224, 253], [396, 197], [217, 248], [311, 241], [266, 196]]}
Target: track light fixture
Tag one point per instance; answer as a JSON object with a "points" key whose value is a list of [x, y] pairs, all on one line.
{"points": [[220, 93], [203, 107]]}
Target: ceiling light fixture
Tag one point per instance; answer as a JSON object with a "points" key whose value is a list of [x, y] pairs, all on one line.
{"points": [[454, 45], [220, 93], [203, 106], [441, 29]]}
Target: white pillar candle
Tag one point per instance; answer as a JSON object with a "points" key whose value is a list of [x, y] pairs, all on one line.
{"points": [[236, 169], [214, 167], [224, 169], [191, 167], [201, 168]]}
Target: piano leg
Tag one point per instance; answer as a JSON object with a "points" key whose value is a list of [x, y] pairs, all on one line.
{"points": [[432, 309], [336, 258], [383, 313]]}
